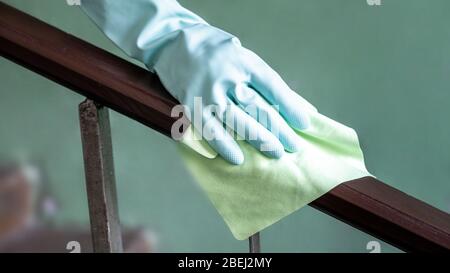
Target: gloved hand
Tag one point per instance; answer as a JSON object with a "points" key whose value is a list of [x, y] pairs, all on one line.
{"points": [[197, 62]]}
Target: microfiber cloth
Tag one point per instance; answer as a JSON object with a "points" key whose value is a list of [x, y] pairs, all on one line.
{"points": [[260, 192]]}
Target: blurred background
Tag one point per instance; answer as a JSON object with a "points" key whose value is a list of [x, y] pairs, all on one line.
{"points": [[382, 70]]}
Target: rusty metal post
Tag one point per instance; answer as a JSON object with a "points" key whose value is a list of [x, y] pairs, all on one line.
{"points": [[100, 181], [255, 243]]}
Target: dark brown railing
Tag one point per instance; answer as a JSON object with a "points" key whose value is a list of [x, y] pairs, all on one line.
{"points": [[365, 203]]}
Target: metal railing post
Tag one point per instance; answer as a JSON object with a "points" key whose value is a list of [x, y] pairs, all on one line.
{"points": [[255, 243], [100, 181]]}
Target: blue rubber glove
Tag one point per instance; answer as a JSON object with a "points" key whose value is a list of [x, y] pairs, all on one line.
{"points": [[199, 63]]}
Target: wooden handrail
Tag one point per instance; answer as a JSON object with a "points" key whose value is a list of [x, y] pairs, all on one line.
{"points": [[366, 203], [388, 214], [85, 69]]}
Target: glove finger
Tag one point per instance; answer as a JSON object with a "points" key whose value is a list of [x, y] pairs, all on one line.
{"points": [[248, 129], [258, 108], [272, 87], [221, 141]]}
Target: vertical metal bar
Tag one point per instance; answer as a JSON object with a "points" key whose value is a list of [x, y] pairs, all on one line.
{"points": [[255, 243], [100, 181]]}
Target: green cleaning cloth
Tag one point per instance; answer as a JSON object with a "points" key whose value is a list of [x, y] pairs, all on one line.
{"points": [[255, 195]]}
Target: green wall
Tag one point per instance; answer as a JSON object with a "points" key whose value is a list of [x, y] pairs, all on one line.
{"points": [[381, 70]]}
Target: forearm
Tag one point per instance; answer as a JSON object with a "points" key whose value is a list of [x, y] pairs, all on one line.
{"points": [[141, 27]]}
